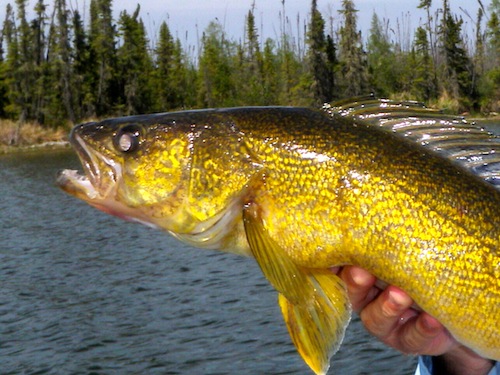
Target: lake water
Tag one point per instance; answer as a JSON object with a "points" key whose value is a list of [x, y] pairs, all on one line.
{"points": [[82, 292]]}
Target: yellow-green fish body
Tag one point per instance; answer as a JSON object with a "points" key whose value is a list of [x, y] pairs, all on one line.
{"points": [[302, 192]]}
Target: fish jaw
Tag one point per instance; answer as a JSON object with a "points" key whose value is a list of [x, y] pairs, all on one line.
{"points": [[100, 177], [73, 183], [81, 187]]}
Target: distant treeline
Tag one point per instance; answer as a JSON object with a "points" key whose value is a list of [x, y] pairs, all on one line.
{"points": [[56, 69]]}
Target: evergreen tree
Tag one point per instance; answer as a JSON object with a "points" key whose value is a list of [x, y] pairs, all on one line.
{"points": [[134, 64], [353, 67], [253, 50], [479, 53], [320, 61], [59, 105], [102, 39], [424, 87], [490, 83], [250, 80], [39, 63], [458, 70], [22, 67], [270, 75], [174, 80], [426, 4], [10, 64], [217, 86], [332, 64], [4, 101], [83, 71], [164, 53], [381, 59], [493, 36]]}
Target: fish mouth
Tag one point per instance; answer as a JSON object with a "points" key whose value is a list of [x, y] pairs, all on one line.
{"points": [[100, 175], [99, 182]]}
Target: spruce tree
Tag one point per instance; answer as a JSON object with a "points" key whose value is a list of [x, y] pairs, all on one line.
{"points": [[23, 71], [381, 59], [59, 105], [83, 68], [425, 87], [332, 64], [39, 63], [217, 86], [320, 60], [164, 75], [102, 40], [270, 73], [252, 40], [174, 82], [493, 36], [458, 69], [11, 64], [490, 87], [426, 4], [134, 64], [480, 48], [353, 65], [4, 100], [250, 80]]}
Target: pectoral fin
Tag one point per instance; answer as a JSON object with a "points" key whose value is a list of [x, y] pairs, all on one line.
{"points": [[314, 303]]}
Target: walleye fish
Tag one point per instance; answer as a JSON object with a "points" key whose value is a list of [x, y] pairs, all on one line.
{"points": [[405, 192]]}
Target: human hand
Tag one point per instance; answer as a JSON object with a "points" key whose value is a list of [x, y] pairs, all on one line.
{"points": [[388, 314]]}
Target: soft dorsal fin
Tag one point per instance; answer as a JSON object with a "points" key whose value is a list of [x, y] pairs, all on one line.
{"points": [[453, 137]]}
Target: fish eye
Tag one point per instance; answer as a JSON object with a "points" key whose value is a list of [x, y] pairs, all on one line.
{"points": [[128, 138]]}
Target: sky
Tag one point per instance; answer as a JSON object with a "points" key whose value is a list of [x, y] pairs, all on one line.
{"points": [[187, 18]]}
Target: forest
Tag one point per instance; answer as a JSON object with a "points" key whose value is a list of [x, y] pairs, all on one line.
{"points": [[57, 70]]}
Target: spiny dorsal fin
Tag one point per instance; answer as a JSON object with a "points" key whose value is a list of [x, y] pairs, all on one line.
{"points": [[453, 137]]}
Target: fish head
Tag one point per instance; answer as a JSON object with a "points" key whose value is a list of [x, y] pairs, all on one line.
{"points": [[180, 172], [135, 170]]}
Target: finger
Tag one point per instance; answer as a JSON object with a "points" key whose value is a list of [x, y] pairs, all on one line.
{"points": [[383, 315], [425, 335], [360, 286]]}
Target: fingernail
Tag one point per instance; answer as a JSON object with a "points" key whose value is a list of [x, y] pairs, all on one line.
{"points": [[359, 276], [399, 299]]}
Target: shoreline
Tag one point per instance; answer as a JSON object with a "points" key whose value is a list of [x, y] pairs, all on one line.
{"points": [[15, 138], [48, 146]]}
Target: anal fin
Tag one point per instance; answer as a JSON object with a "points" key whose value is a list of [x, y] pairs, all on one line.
{"points": [[314, 303]]}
